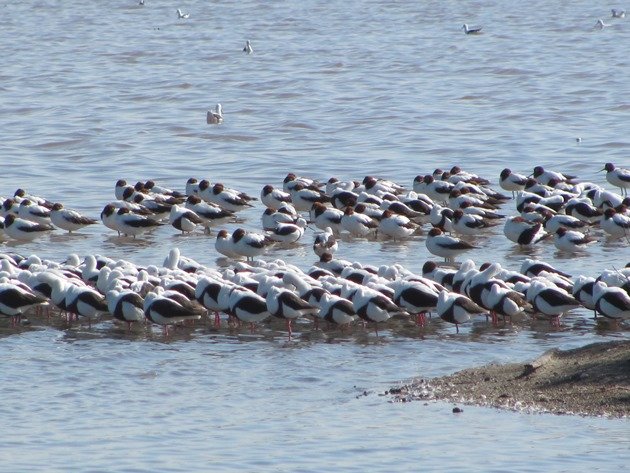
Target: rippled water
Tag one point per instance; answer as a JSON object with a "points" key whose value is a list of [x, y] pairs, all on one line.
{"points": [[96, 91]]}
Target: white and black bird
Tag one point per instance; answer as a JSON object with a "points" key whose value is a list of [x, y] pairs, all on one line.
{"points": [[325, 242], [616, 224], [274, 198], [247, 306], [184, 219], [248, 47], [229, 199], [395, 226], [511, 181], [125, 305], [15, 300], [358, 224], [285, 304], [326, 217], [129, 223], [287, 232], [209, 214], [249, 244], [29, 210], [571, 240], [24, 230], [456, 308], [446, 246], [611, 302], [181, 15], [524, 233], [165, 311], [69, 220], [618, 177]]}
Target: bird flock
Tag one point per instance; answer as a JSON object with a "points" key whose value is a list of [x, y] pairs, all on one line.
{"points": [[333, 291]]}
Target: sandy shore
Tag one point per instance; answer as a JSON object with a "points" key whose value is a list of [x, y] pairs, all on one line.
{"points": [[593, 380]]}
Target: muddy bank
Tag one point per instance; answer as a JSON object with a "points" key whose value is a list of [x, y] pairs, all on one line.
{"points": [[593, 380]]}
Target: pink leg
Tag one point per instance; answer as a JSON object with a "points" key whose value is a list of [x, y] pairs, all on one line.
{"points": [[217, 319], [289, 328]]}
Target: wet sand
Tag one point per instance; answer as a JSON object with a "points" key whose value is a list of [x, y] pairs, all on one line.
{"points": [[593, 380]]}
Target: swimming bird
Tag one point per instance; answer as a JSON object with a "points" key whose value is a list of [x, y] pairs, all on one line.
{"points": [[446, 246], [600, 25], [181, 15], [69, 220], [215, 117], [24, 230], [618, 177], [571, 240], [618, 13], [467, 30], [248, 47], [456, 308]]}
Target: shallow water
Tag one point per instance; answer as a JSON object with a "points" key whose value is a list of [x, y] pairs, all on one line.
{"points": [[94, 93]]}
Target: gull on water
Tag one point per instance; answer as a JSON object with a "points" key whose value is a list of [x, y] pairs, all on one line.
{"points": [[600, 25], [248, 47], [214, 117], [618, 13], [467, 30], [181, 15]]}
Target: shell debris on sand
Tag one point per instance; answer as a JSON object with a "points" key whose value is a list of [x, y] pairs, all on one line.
{"points": [[593, 380]]}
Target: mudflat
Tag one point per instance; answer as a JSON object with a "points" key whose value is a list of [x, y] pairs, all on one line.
{"points": [[593, 380]]}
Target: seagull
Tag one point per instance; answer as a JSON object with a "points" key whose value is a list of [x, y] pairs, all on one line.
{"points": [[181, 15], [618, 13], [600, 25], [215, 117], [471, 30], [248, 47]]}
